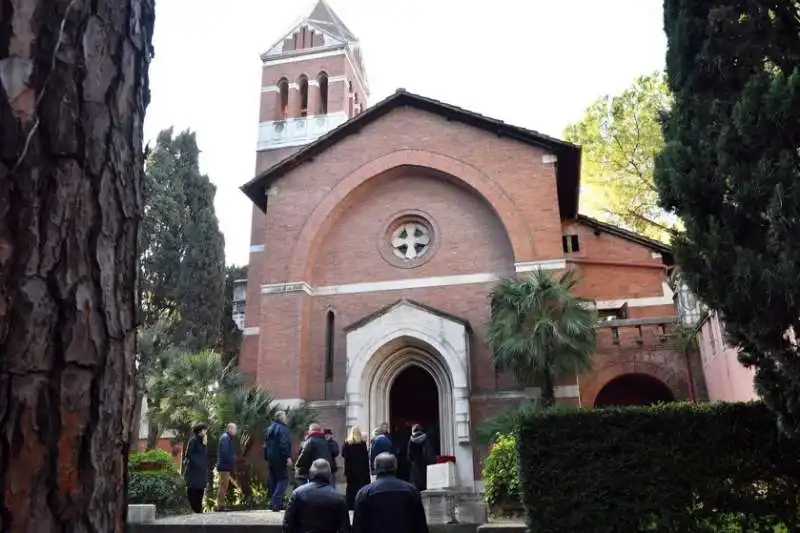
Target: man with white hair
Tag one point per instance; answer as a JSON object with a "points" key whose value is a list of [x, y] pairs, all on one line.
{"points": [[315, 447], [316, 506], [226, 464], [388, 503], [278, 454]]}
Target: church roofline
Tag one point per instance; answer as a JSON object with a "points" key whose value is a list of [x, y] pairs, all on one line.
{"points": [[568, 154], [647, 242], [405, 301]]}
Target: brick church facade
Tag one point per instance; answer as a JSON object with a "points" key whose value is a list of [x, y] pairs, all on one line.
{"points": [[378, 233]]}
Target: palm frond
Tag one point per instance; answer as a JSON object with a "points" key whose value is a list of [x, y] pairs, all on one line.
{"points": [[539, 328]]}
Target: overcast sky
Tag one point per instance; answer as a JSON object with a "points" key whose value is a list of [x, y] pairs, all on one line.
{"points": [[533, 63]]}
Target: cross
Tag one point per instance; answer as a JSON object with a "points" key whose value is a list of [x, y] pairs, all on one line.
{"points": [[409, 236]]}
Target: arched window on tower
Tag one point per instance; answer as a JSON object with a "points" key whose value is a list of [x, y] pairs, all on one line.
{"points": [[302, 85], [283, 99], [322, 79], [329, 345]]}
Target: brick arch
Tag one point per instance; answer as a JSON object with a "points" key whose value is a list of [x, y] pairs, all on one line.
{"points": [[674, 381], [315, 228]]}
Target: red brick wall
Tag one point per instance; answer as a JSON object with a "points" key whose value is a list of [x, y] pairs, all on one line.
{"points": [[324, 227]]}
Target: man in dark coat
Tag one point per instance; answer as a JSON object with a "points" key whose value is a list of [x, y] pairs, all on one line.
{"points": [[316, 507], [195, 468], [420, 455], [226, 464], [278, 453], [380, 444], [389, 504], [315, 447], [334, 448]]}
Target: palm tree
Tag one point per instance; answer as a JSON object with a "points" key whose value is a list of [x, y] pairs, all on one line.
{"points": [[540, 330]]}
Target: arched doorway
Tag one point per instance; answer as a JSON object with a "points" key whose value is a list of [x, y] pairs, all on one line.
{"points": [[633, 389], [413, 399]]}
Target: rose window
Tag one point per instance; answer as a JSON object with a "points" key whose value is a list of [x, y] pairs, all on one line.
{"points": [[410, 240]]}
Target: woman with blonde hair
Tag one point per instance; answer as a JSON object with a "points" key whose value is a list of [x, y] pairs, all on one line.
{"points": [[356, 464]]}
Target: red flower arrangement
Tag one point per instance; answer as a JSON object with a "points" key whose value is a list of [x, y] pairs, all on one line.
{"points": [[441, 459]]}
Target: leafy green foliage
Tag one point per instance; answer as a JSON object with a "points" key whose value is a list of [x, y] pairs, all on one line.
{"points": [[675, 467], [504, 423], [540, 330], [501, 477], [182, 250], [730, 170], [163, 486], [158, 458], [620, 136]]}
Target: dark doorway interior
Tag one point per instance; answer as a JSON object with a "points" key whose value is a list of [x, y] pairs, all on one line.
{"points": [[633, 389], [414, 399]]}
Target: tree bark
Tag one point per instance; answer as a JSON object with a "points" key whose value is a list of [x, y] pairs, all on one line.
{"points": [[548, 390], [73, 93]]}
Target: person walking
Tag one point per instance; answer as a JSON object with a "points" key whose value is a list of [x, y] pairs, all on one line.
{"points": [[389, 504], [315, 447], [316, 507], [381, 443], [278, 454], [226, 464], [420, 455], [195, 467], [356, 464], [333, 446]]}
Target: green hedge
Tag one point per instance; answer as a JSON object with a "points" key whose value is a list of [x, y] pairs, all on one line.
{"points": [[163, 486], [672, 468]]}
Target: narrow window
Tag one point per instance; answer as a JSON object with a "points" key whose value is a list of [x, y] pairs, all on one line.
{"points": [[350, 106], [283, 104], [303, 86], [329, 345], [323, 93], [570, 244]]}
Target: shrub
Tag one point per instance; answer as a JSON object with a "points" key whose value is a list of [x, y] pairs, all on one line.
{"points": [[501, 477], [150, 460], [153, 478], [678, 467]]}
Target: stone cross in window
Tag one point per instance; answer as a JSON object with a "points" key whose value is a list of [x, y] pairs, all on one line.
{"points": [[410, 240]]}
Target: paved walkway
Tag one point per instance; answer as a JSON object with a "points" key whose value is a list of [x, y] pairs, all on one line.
{"points": [[244, 518]]}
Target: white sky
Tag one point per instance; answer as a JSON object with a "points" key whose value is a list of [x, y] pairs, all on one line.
{"points": [[533, 63]]}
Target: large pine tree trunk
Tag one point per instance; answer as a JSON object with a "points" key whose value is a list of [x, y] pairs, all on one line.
{"points": [[73, 92]]}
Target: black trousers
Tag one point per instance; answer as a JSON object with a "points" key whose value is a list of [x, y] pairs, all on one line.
{"points": [[195, 497]]}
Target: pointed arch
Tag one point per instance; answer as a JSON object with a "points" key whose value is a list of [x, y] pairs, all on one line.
{"points": [[322, 81], [302, 86], [330, 339], [283, 98]]}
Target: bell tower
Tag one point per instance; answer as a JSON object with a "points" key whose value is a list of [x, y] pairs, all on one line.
{"points": [[312, 81]]}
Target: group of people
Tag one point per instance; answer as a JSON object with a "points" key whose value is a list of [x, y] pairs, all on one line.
{"points": [[362, 467]]}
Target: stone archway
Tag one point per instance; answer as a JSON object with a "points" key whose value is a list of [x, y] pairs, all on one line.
{"points": [[633, 389], [315, 227], [403, 335], [675, 382]]}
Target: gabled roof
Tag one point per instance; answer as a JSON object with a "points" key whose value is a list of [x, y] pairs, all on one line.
{"points": [[327, 20], [569, 155], [405, 301], [322, 18], [647, 242]]}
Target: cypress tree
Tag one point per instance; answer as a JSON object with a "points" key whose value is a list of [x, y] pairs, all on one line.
{"points": [[731, 170], [183, 251]]}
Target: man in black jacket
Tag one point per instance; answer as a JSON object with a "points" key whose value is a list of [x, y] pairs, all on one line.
{"points": [[316, 507], [388, 504], [315, 447]]}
